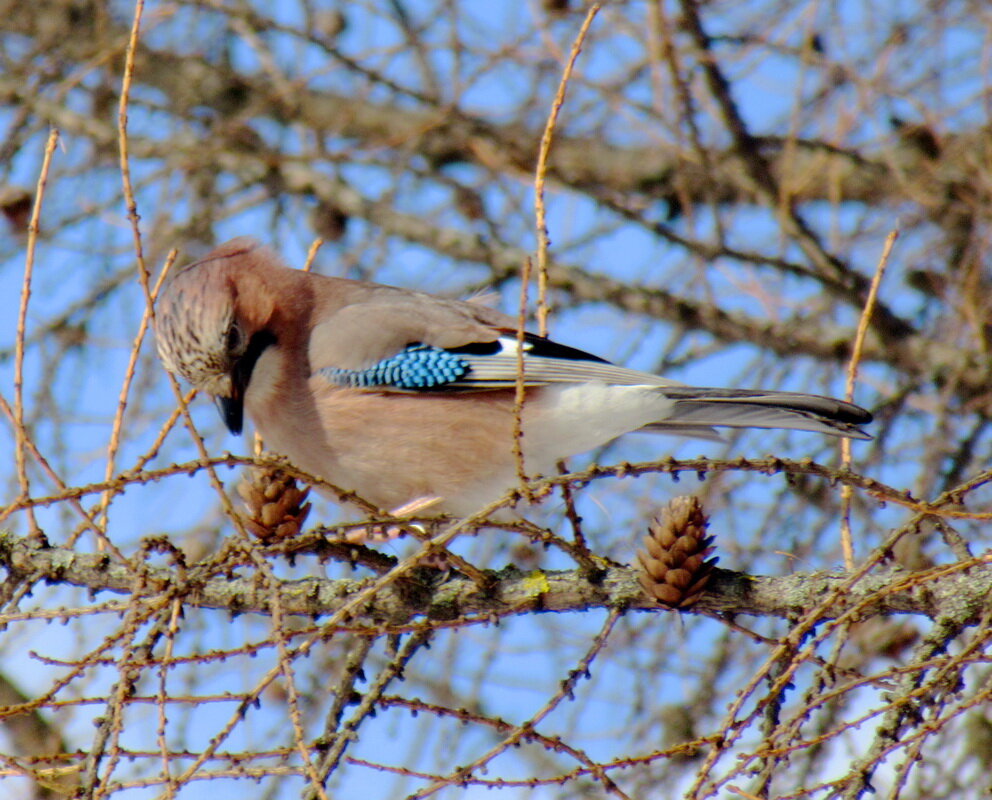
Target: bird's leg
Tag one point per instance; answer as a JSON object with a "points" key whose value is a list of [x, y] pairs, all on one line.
{"points": [[376, 534]]}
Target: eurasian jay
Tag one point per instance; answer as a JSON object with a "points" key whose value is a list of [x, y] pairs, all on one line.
{"points": [[399, 395]]}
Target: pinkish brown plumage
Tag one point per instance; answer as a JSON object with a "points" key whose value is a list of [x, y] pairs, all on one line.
{"points": [[398, 395]]}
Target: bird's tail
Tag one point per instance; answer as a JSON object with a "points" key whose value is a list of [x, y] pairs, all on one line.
{"points": [[697, 409]]}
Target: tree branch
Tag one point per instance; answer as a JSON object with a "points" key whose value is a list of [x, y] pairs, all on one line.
{"points": [[962, 590]]}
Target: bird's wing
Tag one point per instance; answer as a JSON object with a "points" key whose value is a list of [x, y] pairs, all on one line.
{"points": [[409, 342]]}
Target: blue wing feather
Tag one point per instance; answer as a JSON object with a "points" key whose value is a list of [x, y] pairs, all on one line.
{"points": [[416, 367]]}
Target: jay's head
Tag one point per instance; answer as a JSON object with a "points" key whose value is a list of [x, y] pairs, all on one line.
{"points": [[209, 331]]}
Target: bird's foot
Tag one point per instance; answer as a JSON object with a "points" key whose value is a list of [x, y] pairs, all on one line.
{"points": [[379, 534]]}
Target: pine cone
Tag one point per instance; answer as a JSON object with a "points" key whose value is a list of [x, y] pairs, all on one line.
{"points": [[674, 570], [276, 506]]}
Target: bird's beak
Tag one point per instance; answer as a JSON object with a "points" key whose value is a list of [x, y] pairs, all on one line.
{"points": [[232, 411], [232, 406]]}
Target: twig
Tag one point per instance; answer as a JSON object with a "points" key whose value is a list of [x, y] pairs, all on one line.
{"points": [[542, 256], [367, 706], [520, 387], [115, 433], [542, 170], [163, 696], [134, 219], [852, 376], [285, 663], [312, 254], [521, 731], [20, 433], [87, 523]]}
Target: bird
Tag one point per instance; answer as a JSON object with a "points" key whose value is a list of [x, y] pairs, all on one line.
{"points": [[399, 395]]}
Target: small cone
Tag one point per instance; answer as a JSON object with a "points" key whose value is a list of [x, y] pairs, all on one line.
{"points": [[674, 569], [276, 506]]}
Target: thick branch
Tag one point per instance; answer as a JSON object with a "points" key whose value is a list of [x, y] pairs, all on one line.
{"points": [[962, 590]]}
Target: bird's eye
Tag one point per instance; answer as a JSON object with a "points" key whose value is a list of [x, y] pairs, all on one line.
{"points": [[235, 339]]}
